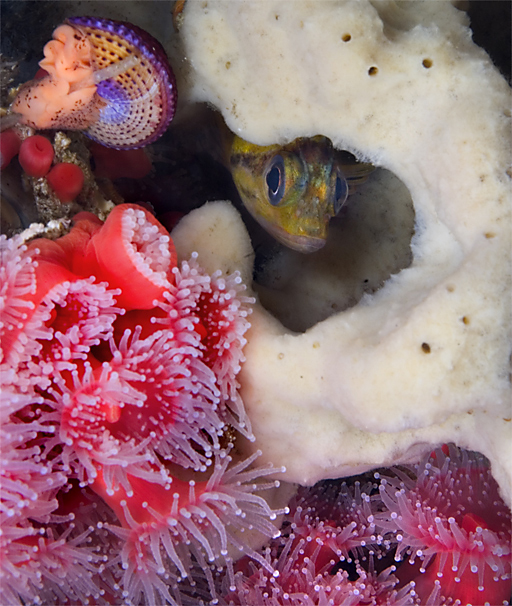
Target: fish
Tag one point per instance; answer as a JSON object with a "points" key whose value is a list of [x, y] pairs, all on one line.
{"points": [[293, 190]]}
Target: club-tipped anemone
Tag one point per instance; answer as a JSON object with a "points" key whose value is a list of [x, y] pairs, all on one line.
{"points": [[336, 516], [447, 519], [108, 78], [35, 565], [44, 569], [28, 484], [130, 393], [167, 526], [63, 314], [132, 252], [325, 556], [27, 285], [151, 393], [17, 287], [10, 143], [224, 307], [214, 311], [36, 155], [310, 580]]}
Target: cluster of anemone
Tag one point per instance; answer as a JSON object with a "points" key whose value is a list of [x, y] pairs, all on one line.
{"points": [[120, 409], [449, 527], [434, 534]]}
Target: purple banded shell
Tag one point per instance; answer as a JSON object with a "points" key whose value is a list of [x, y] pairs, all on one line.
{"points": [[134, 80]]}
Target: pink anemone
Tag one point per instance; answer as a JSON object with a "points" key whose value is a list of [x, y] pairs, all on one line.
{"points": [[132, 252], [450, 518], [36, 155], [130, 392], [66, 179], [166, 528], [130, 396], [44, 569], [10, 143], [320, 560]]}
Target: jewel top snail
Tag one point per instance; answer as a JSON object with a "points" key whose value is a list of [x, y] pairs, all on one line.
{"points": [[108, 78]]}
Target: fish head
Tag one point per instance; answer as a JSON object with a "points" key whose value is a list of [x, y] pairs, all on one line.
{"points": [[292, 190]]}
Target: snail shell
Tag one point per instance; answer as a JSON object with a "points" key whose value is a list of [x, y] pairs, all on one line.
{"points": [[135, 83]]}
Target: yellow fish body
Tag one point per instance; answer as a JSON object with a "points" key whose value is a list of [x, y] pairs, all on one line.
{"points": [[293, 190]]}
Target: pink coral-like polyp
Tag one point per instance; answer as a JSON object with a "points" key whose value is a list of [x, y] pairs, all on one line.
{"points": [[119, 379], [17, 287], [327, 530], [311, 580], [214, 314], [151, 392], [132, 252], [43, 569], [166, 528], [451, 517]]}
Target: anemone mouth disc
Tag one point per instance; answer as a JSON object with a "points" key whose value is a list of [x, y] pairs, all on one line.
{"points": [[139, 101]]}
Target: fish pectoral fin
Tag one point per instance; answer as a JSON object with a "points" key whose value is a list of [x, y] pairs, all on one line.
{"points": [[357, 174]]}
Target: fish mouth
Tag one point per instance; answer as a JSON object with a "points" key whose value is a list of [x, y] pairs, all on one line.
{"points": [[303, 244], [300, 243]]}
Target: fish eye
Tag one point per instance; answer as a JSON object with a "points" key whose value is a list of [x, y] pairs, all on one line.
{"points": [[340, 193], [276, 180]]}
